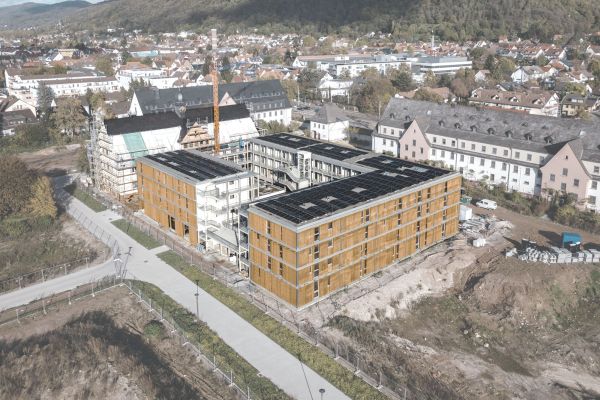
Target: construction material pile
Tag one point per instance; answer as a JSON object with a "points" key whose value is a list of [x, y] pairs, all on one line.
{"points": [[531, 252]]}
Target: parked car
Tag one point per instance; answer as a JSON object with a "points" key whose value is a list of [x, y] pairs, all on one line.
{"points": [[487, 204]]}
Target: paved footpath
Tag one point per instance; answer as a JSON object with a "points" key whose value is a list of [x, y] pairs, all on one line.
{"points": [[270, 359]]}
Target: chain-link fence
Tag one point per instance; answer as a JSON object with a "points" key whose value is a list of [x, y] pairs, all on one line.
{"points": [[343, 354], [215, 360], [55, 301]]}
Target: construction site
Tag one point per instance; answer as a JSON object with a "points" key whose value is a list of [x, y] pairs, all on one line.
{"points": [[367, 253]]}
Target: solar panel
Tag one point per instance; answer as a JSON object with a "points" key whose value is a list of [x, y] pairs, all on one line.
{"points": [[195, 165]]}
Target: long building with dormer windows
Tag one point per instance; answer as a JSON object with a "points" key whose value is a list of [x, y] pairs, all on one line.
{"points": [[529, 154]]}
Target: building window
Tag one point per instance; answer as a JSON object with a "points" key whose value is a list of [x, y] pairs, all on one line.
{"points": [[592, 200], [594, 185], [433, 152], [414, 142], [434, 139], [268, 227], [316, 252], [472, 160], [596, 169], [529, 157], [462, 157], [505, 153], [482, 162], [517, 154], [269, 263], [565, 172], [268, 245], [493, 164], [366, 232], [552, 178], [281, 269], [527, 171], [504, 166], [330, 226], [171, 223], [483, 149], [494, 150], [515, 169], [462, 145], [563, 187], [576, 182], [473, 146], [317, 234]]}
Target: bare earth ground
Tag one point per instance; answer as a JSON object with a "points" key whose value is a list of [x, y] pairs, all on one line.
{"points": [[458, 322], [53, 160], [97, 348]]}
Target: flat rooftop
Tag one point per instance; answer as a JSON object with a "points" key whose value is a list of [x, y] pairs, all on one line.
{"points": [[194, 164], [390, 175], [329, 150]]}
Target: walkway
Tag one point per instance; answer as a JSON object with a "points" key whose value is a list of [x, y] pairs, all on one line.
{"points": [[270, 359]]}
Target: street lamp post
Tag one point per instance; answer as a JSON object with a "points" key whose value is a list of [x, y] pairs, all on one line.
{"points": [[197, 294], [322, 391]]}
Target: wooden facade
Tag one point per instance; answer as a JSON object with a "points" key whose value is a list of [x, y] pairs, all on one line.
{"points": [[168, 200], [303, 264]]}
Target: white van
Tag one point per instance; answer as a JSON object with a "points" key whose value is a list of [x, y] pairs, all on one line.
{"points": [[487, 204]]}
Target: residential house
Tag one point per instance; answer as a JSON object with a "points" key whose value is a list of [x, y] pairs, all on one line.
{"points": [[536, 102], [329, 123], [576, 105]]}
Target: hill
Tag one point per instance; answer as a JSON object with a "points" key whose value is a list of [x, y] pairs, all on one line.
{"points": [[450, 19], [35, 14]]}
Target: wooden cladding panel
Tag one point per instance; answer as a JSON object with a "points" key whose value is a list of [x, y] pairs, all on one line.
{"points": [[164, 195], [343, 256]]}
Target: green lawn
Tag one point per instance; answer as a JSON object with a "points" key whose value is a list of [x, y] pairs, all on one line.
{"points": [[139, 236], [320, 362], [85, 198], [245, 375]]}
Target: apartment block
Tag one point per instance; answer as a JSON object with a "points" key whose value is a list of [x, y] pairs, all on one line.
{"points": [[530, 154], [308, 244], [197, 196]]}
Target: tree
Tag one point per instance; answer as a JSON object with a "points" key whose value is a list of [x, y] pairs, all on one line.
{"points": [[490, 63], [291, 88], [427, 95], [288, 58], [459, 88], [147, 61], [373, 95], [125, 57], [83, 164], [16, 181], [41, 204], [104, 65], [208, 60], [68, 117], [45, 96], [402, 79], [430, 79], [32, 134], [309, 41], [541, 61]]}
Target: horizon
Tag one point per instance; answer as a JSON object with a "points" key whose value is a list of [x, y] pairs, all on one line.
{"points": [[8, 3]]}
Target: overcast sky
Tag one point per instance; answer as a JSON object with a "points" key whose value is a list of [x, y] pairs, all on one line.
{"points": [[4, 3]]}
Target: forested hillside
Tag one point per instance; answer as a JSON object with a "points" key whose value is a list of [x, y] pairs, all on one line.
{"points": [[34, 14], [450, 19]]}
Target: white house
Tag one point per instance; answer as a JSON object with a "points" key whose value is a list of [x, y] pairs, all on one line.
{"points": [[334, 87], [330, 123]]}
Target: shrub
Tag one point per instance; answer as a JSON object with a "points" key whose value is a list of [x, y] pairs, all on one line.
{"points": [[154, 329], [14, 227]]}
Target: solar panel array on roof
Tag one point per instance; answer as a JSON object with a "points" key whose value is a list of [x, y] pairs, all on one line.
{"points": [[334, 151], [396, 165], [314, 146], [193, 164], [293, 141], [319, 201]]}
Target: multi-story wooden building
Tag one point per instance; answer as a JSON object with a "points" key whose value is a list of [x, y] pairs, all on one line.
{"points": [[197, 196], [308, 244]]}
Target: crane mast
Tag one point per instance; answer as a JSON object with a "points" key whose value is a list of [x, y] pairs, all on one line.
{"points": [[215, 82]]}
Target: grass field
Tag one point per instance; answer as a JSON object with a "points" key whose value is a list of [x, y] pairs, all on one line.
{"points": [[136, 234], [85, 198], [320, 362]]}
